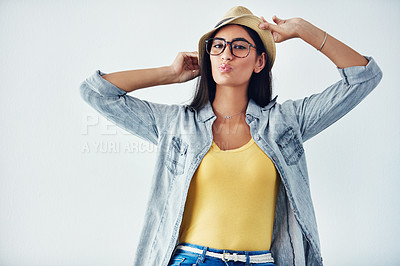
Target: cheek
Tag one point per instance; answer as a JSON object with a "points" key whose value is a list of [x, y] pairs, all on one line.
{"points": [[214, 63], [246, 69], [214, 67]]}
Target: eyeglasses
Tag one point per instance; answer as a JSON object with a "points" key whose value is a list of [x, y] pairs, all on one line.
{"points": [[239, 47]]}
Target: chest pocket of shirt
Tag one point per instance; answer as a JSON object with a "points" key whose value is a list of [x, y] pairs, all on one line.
{"points": [[176, 157], [290, 146]]}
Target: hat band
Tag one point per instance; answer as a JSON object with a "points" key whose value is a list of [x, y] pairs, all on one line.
{"points": [[222, 21]]}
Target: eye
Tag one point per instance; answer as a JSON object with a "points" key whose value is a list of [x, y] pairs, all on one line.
{"points": [[218, 45], [239, 47]]}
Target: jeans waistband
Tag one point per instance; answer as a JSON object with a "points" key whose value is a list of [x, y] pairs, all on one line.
{"points": [[261, 256]]}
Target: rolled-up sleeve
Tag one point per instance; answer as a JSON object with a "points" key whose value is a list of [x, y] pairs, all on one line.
{"points": [[319, 111], [102, 86], [139, 117]]}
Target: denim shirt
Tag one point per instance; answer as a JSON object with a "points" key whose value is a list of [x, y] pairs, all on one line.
{"points": [[184, 135]]}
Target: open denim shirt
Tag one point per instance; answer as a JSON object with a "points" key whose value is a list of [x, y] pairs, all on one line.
{"points": [[184, 136]]}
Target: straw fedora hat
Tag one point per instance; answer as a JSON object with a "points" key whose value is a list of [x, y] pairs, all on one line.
{"points": [[240, 15]]}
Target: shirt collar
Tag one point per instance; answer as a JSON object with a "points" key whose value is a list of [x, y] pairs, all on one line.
{"points": [[253, 109]]}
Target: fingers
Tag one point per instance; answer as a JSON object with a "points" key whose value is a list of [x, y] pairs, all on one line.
{"points": [[278, 20], [190, 60], [275, 19], [265, 25], [275, 35], [192, 55], [273, 28], [196, 73], [276, 29], [263, 19]]}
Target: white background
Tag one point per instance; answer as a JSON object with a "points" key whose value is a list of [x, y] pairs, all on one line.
{"points": [[73, 187]]}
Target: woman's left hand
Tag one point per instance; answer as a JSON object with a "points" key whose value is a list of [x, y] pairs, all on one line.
{"points": [[284, 29]]}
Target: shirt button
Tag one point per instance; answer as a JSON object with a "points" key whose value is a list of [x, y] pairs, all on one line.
{"points": [[249, 119]]}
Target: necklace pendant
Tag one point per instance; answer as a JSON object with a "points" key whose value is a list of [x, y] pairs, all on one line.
{"points": [[228, 117]]}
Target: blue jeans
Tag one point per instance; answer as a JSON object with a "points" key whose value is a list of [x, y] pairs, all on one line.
{"points": [[187, 258]]}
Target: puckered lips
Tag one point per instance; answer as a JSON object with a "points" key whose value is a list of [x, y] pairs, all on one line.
{"points": [[224, 68]]}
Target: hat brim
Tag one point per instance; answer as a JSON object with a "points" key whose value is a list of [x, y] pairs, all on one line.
{"points": [[252, 22]]}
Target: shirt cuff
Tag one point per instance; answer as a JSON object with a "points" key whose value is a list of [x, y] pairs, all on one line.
{"points": [[358, 74], [102, 86]]}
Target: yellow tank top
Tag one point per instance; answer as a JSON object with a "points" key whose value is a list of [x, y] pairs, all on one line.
{"points": [[231, 200]]}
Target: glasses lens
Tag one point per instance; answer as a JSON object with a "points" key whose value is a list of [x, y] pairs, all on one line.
{"points": [[240, 48], [215, 46]]}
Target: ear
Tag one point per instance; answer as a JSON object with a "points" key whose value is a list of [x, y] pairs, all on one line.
{"points": [[260, 63]]}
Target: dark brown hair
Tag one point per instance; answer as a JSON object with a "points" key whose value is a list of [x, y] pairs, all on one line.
{"points": [[260, 89]]}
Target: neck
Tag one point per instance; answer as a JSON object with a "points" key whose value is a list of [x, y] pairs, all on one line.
{"points": [[230, 100]]}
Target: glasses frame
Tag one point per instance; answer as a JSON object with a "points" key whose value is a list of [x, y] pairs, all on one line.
{"points": [[230, 46]]}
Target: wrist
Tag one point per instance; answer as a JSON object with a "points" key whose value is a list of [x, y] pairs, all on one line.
{"points": [[301, 27], [170, 75], [310, 34]]}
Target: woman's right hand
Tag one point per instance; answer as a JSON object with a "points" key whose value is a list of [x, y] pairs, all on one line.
{"points": [[186, 66]]}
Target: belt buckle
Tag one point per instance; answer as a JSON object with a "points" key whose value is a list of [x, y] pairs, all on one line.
{"points": [[235, 255]]}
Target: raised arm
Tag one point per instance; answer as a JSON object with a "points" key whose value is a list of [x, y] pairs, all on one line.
{"points": [[360, 75], [185, 67], [107, 93], [339, 53]]}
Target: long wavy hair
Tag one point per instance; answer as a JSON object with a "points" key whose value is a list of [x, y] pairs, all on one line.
{"points": [[260, 88]]}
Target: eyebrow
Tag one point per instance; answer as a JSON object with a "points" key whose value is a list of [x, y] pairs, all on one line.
{"points": [[240, 39], [235, 39]]}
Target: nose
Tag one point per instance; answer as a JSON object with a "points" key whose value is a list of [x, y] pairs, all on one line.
{"points": [[226, 54]]}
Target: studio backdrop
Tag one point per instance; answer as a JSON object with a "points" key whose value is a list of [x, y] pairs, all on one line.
{"points": [[74, 187]]}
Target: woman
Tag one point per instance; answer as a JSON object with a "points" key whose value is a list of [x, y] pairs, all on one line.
{"points": [[230, 185]]}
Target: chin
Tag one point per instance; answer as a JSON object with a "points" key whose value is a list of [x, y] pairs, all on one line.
{"points": [[229, 81], [225, 83], [224, 80]]}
